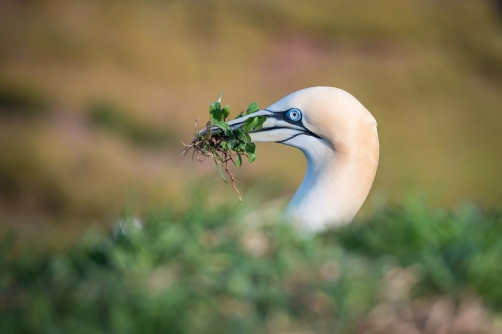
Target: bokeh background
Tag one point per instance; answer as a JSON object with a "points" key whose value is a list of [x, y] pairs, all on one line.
{"points": [[95, 96], [104, 228]]}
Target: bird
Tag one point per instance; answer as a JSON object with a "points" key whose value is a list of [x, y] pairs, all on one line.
{"points": [[339, 139]]}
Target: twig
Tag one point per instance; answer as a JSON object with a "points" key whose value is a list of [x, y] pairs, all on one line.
{"points": [[233, 179], [212, 145]]}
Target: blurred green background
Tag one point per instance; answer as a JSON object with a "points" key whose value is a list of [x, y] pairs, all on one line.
{"points": [[95, 97]]}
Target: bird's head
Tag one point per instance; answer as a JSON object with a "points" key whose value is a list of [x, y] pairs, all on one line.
{"points": [[338, 136], [319, 115]]}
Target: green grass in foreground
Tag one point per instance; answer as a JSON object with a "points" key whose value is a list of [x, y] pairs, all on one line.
{"points": [[457, 253], [203, 270]]}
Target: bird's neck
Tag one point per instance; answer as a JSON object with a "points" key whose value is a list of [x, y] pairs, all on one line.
{"points": [[334, 188]]}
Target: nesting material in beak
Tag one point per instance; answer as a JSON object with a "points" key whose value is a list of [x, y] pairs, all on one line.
{"points": [[226, 142]]}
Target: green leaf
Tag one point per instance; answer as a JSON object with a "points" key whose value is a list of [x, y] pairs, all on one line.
{"points": [[248, 138], [259, 123], [224, 126], [219, 99], [217, 156], [251, 151], [226, 112], [240, 115], [252, 108], [221, 172], [240, 135], [241, 146], [249, 124], [251, 157], [251, 148], [238, 161], [215, 111], [231, 136]]}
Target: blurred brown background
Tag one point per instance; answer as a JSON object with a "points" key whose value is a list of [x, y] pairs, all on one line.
{"points": [[95, 96]]}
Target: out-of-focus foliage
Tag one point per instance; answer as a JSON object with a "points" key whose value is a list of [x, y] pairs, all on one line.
{"points": [[199, 271], [111, 117], [430, 72], [18, 100], [457, 252], [215, 268]]}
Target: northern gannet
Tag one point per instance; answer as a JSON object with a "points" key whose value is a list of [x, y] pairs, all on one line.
{"points": [[339, 138]]}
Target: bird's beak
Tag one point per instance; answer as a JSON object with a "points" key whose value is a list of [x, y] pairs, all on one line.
{"points": [[275, 128]]}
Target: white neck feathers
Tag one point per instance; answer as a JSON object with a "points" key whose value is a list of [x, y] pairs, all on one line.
{"points": [[336, 182]]}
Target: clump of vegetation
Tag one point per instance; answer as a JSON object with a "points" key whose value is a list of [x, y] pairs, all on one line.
{"points": [[223, 143]]}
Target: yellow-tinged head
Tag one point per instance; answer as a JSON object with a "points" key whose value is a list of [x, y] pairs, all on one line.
{"points": [[339, 138]]}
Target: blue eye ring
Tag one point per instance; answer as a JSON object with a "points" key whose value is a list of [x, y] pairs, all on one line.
{"points": [[294, 115]]}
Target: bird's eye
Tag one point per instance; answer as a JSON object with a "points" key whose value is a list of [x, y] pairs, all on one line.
{"points": [[294, 114]]}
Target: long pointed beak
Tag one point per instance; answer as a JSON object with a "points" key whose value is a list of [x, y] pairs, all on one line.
{"points": [[275, 128]]}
